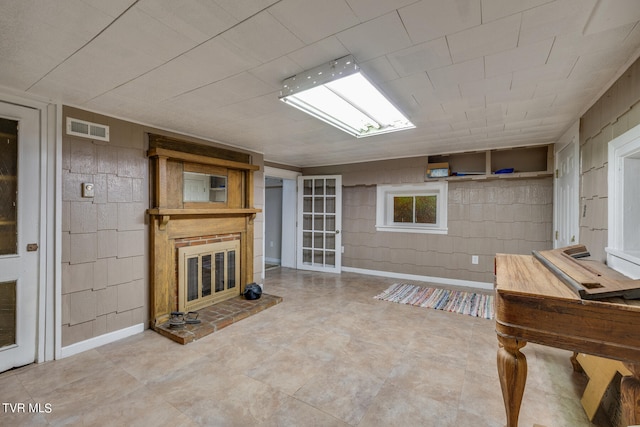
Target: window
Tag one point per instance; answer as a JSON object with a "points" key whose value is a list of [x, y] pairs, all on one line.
{"points": [[412, 208], [623, 251]]}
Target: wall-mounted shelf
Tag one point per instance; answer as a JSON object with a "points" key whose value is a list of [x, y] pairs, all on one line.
{"points": [[526, 162]]}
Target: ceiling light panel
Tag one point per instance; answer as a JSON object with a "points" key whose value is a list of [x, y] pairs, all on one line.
{"points": [[340, 95]]}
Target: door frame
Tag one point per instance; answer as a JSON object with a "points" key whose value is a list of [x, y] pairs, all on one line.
{"points": [[569, 141], [50, 197], [289, 216]]}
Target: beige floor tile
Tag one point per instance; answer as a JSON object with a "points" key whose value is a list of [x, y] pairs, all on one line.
{"points": [[343, 390], [401, 407], [328, 355]]}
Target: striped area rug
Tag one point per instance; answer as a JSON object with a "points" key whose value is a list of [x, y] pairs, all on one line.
{"points": [[471, 303]]}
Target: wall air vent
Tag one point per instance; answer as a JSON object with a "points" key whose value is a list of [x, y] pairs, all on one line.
{"points": [[87, 129]]}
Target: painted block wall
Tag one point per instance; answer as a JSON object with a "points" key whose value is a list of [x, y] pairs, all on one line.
{"points": [[617, 111], [484, 218], [105, 249]]}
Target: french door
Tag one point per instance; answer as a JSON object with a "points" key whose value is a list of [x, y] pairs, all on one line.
{"points": [[19, 230], [319, 223]]}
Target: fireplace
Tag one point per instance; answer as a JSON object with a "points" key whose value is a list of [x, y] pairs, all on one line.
{"points": [[207, 272], [201, 225]]}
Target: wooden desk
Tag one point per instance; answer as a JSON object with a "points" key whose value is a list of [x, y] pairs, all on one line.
{"points": [[532, 305]]}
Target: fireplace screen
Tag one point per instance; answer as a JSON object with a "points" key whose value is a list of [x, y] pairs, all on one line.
{"points": [[208, 274]]}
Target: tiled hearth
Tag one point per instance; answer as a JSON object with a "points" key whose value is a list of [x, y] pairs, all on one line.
{"points": [[218, 316]]}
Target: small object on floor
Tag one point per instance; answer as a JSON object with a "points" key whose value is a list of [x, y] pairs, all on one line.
{"points": [[192, 318], [252, 291], [177, 320]]}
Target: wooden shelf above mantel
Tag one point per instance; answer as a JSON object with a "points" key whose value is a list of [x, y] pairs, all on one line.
{"points": [[202, 212], [196, 158]]}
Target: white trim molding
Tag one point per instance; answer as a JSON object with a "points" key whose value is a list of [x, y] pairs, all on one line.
{"points": [[623, 251], [430, 279], [385, 195], [101, 340]]}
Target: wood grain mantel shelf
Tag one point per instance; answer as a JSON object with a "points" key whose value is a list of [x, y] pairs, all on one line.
{"points": [[212, 212]]}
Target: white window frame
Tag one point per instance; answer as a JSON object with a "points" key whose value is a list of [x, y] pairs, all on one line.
{"points": [[384, 207], [623, 251]]}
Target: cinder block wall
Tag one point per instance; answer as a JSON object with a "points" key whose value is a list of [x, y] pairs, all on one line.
{"points": [[484, 218], [104, 238], [616, 112]]}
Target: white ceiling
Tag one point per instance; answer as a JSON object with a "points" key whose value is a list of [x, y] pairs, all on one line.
{"points": [[470, 74]]}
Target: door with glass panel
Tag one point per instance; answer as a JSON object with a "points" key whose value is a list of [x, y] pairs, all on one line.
{"points": [[319, 223], [19, 228]]}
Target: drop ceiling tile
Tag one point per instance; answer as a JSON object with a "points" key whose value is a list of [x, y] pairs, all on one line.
{"points": [[479, 88], [431, 19], [36, 37], [457, 73], [311, 20], [612, 13], [216, 59], [496, 9], [276, 71], [97, 68], [379, 70], [422, 57], [263, 37], [599, 63], [113, 8], [460, 106], [243, 9], [369, 9], [485, 39], [232, 90], [196, 68], [548, 72], [318, 53], [415, 88], [633, 39], [144, 34], [199, 20], [511, 95], [576, 44], [555, 18], [375, 38], [520, 58]]}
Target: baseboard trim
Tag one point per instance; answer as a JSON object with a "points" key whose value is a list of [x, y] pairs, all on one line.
{"points": [[101, 340], [430, 279]]}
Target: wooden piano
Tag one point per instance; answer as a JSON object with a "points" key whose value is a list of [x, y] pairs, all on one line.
{"points": [[560, 299]]}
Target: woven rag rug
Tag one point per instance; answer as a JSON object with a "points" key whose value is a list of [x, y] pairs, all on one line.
{"points": [[471, 303]]}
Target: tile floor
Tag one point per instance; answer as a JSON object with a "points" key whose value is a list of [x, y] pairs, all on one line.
{"points": [[328, 355]]}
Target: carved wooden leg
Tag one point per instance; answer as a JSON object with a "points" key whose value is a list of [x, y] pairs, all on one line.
{"points": [[630, 395], [512, 370], [576, 365]]}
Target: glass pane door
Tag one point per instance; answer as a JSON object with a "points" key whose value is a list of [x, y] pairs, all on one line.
{"points": [[8, 224], [20, 235], [320, 199], [8, 186]]}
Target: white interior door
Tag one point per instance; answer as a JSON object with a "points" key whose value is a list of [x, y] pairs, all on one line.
{"points": [[568, 203], [19, 230], [319, 223]]}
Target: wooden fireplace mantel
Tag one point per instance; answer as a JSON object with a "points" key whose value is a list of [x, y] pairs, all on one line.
{"points": [[172, 219]]}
